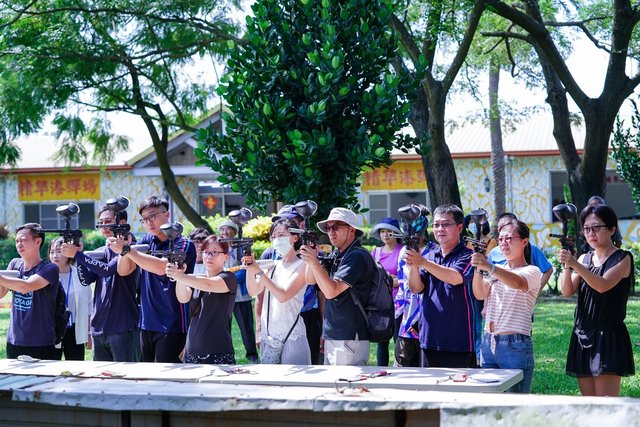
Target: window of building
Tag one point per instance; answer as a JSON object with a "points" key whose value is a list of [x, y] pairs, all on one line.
{"points": [[383, 205], [618, 194], [46, 215], [216, 199]]}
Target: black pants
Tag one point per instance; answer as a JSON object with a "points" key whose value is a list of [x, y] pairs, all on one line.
{"points": [[313, 323], [243, 312], [40, 352], [162, 347], [448, 359], [408, 352], [70, 349]]}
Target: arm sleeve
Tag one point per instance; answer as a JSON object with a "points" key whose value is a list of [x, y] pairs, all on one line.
{"points": [[95, 267]]}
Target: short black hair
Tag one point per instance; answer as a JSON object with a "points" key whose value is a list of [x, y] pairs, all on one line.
{"points": [[199, 230], [117, 216], [455, 211], [34, 229], [153, 202]]}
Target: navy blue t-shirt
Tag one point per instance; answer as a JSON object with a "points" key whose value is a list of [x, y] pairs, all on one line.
{"points": [[32, 322], [448, 311], [115, 309], [342, 318], [160, 310]]}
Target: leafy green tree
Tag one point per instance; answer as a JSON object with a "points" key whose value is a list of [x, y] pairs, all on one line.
{"points": [[611, 27], [624, 150], [427, 31], [71, 58], [312, 102]]}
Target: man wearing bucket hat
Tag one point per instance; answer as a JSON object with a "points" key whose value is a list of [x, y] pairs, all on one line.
{"points": [[350, 267]]}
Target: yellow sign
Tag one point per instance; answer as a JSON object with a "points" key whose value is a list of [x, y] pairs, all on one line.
{"points": [[76, 186], [405, 175]]}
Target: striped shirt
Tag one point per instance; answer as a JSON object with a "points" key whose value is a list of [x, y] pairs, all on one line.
{"points": [[510, 309]]}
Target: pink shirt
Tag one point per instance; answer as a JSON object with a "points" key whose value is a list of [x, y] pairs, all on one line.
{"points": [[389, 261]]}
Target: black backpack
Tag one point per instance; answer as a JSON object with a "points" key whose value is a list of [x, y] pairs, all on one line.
{"points": [[60, 315], [379, 311]]}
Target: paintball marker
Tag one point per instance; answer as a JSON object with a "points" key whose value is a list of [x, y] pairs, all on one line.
{"points": [[478, 217], [413, 218], [240, 217], [118, 205], [68, 234], [565, 212], [307, 209], [10, 273], [173, 255]]}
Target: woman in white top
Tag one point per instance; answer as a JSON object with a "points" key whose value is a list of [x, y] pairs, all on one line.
{"points": [[283, 337], [78, 302], [510, 292]]}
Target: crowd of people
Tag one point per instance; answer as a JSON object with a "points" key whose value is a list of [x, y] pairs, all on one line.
{"points": [[454, 306]]}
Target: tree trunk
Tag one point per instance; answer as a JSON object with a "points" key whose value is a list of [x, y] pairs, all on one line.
{"points": [[436, 158], [172, 188], [497, 151]]}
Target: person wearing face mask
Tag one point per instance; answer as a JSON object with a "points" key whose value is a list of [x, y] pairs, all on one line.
{"points": [[283, 337]]}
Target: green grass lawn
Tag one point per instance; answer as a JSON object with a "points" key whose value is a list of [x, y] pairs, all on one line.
{"points": [[551, 331]]}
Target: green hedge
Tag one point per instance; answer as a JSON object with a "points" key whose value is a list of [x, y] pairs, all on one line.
{"points": [[91, 239]]}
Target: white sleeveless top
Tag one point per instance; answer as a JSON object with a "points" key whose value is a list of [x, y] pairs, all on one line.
{"points": [[283, 315]]}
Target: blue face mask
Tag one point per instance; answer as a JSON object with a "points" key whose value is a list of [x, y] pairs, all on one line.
{"points": [[282, 245], [473, 228]]}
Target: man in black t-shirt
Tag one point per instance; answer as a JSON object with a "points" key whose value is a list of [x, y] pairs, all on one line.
{"points": [[350, 269]]}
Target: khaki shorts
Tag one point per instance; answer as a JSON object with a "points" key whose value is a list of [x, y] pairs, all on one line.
{"points": [[346, 352]]}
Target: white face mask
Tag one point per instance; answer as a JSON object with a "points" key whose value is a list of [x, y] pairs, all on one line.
{"points": [[282, 245]]}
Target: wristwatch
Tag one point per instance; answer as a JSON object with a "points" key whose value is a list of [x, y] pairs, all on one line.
{"points": [[258, 276], [125, 250]]}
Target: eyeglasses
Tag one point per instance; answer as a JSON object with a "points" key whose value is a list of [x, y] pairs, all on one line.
{"points": [[206, 254], [593, 229], [507, 239], [443, 224], [335, 227], [199, 239], [150, 218]]}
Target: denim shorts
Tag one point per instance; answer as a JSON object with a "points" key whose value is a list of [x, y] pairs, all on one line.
{"points": [[510, 351]]}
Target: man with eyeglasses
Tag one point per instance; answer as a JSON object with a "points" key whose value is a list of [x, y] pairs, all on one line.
{"points": [[443, 276], [163, 320], [115, 315], [346, 336]]}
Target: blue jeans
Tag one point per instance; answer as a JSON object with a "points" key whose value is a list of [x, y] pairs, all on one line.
{"points": [[121, 347], [512, 351]]}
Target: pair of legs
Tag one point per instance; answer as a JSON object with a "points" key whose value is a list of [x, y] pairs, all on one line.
{"points": [[602, 385], [243, 312], [117, 347]]}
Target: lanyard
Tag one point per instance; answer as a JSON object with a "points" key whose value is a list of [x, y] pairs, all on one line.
{"points": [[66, 299]]}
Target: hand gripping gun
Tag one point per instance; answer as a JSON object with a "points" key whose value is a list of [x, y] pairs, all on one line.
{"points": [[69, 235], [306, 209], [118, 205], [478, 217], [565, 212], [240, 217], [414, 225], [173, 255]]}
